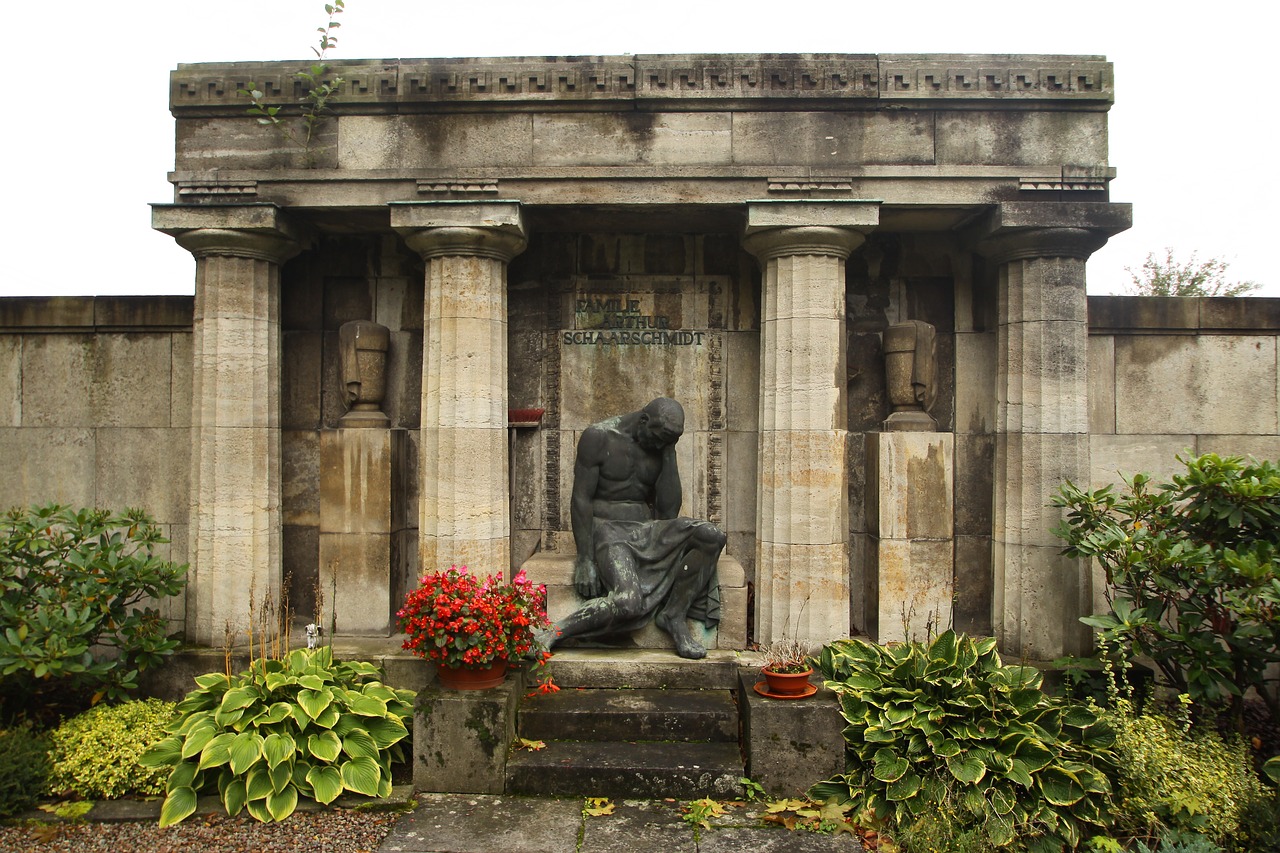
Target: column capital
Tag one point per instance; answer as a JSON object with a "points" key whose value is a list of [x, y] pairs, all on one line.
{"points": [[1022, 230], [812, 227], [259, 231], [490, 229]]}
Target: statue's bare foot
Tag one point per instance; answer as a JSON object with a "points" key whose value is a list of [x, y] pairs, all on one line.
{"points": [[686, 645], [544, 638]]}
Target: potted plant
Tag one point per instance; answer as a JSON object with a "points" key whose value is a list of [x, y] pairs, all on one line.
{"points": [[472, 626], [787, 667]]}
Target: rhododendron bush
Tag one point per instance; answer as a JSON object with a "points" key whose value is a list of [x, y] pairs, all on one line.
{"points": [[463, 620]]}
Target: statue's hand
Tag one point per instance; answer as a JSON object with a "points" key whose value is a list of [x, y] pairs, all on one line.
{"points": [[586, 578]]}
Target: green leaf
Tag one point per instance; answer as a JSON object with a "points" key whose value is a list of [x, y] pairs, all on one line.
{"points": [[313, 701], [905, 788], [889, 767], [282, 803], [281, 776], [178, 806], [325, 746], [277, 748], [183, 775], [359, 744], [165, 752], [217, 751], [361, 775], [326, 782], [367, 706], [967, 768], [197, 738], [234, 797], [1060, 787], [258, 783], [245, 750], [258, 810]]}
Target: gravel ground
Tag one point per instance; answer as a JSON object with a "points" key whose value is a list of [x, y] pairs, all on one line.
{"points": [[334, 831]]}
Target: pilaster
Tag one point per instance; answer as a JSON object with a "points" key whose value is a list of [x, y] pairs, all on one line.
{"points": [[802, 521], [1042, 421], [462, 471], [234, 515]]}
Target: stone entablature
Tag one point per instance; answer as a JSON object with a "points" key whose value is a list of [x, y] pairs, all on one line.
{"points": [[792, 81]]}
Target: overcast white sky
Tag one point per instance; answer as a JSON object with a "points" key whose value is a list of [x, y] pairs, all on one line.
{"points": [[88, 138]]}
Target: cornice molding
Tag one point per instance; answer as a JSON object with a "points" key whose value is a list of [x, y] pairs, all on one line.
{"points": [[400, 85]]}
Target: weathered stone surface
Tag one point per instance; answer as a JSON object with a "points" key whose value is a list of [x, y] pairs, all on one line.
{"points": [[130, 380], [1209, 384], [355, 574], [913, 477], [481, 824], [975, 361], [914, 585], [57, 466], [300, 364], [971, 608], [355, 481], [619, 769], [648, 668], [461, 737], [1021, 138], [300, 477], [1257, 446], [790, 744], [1112, 456], [66, 401], [1102, 384], [974, 461], [148, 468], [630, 715], [10, 380], [639, 825]]}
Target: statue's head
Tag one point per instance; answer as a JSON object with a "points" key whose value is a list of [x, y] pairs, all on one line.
{"points": [[661, 424]]}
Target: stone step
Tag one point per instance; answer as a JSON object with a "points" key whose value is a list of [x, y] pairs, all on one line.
{"points": [[649, 669], [631, 715], [627, 770]]}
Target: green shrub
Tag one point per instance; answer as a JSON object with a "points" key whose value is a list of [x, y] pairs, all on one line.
{"points": [[24, 766], [95, 755], [1193, 572], [73, 585], [302, 725], [1174, 778], [945, 724]]}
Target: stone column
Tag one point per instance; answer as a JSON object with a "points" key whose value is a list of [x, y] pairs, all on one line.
{"points": [[462, 471], [802, 515], [235, 414], [1042, 420]]}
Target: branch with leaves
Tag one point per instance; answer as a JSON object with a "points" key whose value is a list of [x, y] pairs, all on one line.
{"points": [[318, 91]]}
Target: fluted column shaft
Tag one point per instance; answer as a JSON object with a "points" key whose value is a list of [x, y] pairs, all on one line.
{"points": [[802, 521], [1042, 438], [234, 517], [463, 516]]}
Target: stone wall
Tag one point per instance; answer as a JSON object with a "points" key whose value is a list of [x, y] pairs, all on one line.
{"points": [[1172, 376], [95, 407]]}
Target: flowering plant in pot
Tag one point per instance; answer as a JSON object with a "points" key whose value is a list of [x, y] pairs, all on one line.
{"points": [[787, 667], [471, 623]]}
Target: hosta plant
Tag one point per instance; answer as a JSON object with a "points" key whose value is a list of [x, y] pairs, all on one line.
{"points": [[946, 723], [302, 725]]}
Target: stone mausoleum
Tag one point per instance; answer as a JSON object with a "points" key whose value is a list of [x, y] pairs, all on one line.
{"points": [[545, 242]]}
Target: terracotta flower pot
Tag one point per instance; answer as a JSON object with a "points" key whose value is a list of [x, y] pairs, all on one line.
{"points": [[787, 683], [462, 678]]}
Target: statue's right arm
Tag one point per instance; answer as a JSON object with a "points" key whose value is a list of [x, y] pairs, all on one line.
{"points": [[586, 477]]}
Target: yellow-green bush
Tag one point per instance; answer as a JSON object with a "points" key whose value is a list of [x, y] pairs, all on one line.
{"points": [[1171, 777], [96, 753]]}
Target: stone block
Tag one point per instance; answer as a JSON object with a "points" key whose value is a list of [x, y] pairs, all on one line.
{"points": [[461, 737], [975, 360], [804, 493], [975, 458], [1119, 314], [802, 592], [10, 380], [1020, 138], [914, 584], [832, 139], [300, 561], [863, 594], [1112, 456], [971, 611], [57, 385], [1102, 384], [1258, 446], [403, 403], [790, 744], [397, 291], [740, 481], [46, 312], [613, 380], [404, 479], [181, 387], [48, 465], [300, 477], [1217, 384], [355, 481], [1239, 313], [131, 380], [914, 484], [234, 363], [1029, 468], [1039, 596], [624, 139], [300, 370], [355, 573], [437, 141], [148, 468], [742, 380]]}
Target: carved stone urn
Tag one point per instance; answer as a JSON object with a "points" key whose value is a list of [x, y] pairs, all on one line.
{"points": [[363, 345], [910, 361]]}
